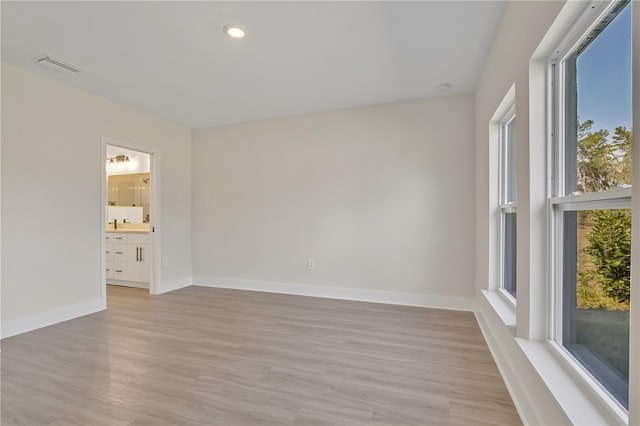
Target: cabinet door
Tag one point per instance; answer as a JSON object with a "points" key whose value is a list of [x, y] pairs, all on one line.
{"points": [[145, 262], [138, 239], [138, 262]]}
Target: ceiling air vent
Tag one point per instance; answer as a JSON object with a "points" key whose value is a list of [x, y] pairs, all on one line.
{"points": [[58, 64]]}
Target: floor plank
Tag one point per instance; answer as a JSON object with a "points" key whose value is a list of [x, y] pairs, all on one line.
{"points": [[203, 356]]}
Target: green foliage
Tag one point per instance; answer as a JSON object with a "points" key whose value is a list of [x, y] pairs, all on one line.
{"points": [[622, 139], [603, 164], [610, 247], [591, 295]]}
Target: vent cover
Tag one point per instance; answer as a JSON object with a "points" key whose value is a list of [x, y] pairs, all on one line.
{"points": [[58, 64]]}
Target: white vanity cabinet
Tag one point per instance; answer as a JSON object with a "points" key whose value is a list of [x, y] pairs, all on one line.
{"points": [[127, 259]]}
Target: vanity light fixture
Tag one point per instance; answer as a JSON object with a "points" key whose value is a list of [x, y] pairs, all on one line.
{"points": [[118, 159], [119, 163], [234, 31]]}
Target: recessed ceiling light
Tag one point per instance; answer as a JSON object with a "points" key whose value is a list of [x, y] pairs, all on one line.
{"points": [[234, 31], [443, 87]]}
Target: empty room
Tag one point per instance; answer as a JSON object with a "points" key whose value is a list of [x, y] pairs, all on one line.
{"points": [[319, 213]]}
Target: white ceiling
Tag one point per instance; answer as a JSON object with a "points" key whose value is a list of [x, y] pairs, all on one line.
{"points": [[172, 59]]}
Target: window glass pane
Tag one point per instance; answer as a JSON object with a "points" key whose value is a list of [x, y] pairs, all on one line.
{"points": [[596, 265], [598, 110], [510, 159], [509, 260]]}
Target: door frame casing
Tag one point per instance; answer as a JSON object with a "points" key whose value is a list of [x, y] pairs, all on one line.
{"points": [[154, 208]]}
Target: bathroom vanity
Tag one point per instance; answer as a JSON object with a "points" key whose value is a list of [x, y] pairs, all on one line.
{"points": [[128, 257]]}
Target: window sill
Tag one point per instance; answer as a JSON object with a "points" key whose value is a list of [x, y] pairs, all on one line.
{"points": [[503, 307], [580, 400]]}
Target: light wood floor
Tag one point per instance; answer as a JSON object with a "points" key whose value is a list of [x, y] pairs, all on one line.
{"points": [[202, 356]]}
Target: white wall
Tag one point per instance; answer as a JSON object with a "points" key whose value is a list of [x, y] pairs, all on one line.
{"points": [[51, 161], [381, 198], [522, 29]]}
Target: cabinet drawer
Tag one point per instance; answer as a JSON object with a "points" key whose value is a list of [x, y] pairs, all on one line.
{"points": [[109, 269], [119, 271], [108, 253], [119, 253], [119, 238]]}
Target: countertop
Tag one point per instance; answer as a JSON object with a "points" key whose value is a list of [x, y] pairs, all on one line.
{"points": [[127, 231]]}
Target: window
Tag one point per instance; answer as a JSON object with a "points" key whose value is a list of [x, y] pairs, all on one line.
{"points": [[508, 209], [591, 203]]}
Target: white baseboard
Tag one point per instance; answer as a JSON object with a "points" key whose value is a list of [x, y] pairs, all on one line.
{"points": [[166, 287], [344, 293], [124, 283], [53, 316]]}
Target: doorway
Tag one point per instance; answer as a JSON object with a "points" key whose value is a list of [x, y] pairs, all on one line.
{"points": [[130, 209]]}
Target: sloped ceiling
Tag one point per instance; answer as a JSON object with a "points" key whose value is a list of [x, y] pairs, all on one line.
{"points": [[173, 60]]}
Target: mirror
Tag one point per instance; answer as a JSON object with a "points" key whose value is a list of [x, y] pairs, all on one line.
{"points": [[130, 190]]}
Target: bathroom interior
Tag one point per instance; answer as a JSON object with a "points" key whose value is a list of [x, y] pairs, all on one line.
{"points": [[128, 242]]}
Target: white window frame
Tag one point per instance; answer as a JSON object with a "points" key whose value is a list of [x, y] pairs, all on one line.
{"points": [[559, 201], [504, 205]]}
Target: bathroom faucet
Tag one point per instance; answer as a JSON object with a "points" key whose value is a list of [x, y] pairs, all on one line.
{"points": [[114, 223]]}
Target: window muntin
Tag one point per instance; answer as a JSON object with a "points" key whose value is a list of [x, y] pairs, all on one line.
{"points": [[508, 206], [591, 214]]}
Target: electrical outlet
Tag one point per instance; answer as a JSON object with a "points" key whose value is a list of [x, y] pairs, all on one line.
{"points": [[311, 264], [165, 261]]}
